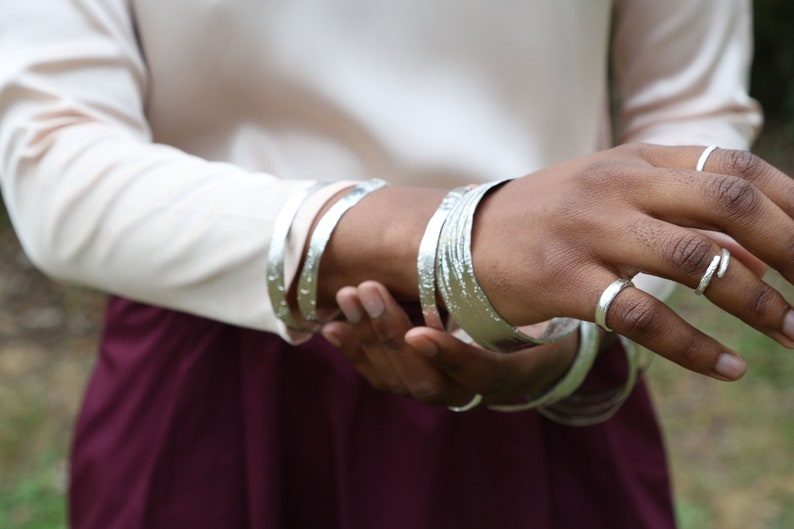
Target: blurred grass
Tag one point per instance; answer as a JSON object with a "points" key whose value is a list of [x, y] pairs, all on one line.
{"points": [[47, 341], [730, 443]]}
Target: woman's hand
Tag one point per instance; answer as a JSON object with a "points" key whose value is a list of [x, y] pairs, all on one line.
{"points": [[432, 366], [548, 244]]}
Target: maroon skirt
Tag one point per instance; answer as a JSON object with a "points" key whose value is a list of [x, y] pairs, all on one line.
{"points": [[191, 423]]}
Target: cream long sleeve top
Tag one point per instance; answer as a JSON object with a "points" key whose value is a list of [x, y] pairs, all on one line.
{"points": [[146, 146]]}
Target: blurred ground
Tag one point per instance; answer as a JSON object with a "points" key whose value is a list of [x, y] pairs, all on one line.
{"points": [[47, 340], [730, 444]]}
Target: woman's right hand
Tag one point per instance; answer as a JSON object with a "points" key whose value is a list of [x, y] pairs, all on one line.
{"points": [[548, 244]]}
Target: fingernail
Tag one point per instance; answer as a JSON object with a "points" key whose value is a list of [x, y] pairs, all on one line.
{"points": [[788, 325], [373, 304], [333, 340], [350, 310], [424, 347], [730, 366]]}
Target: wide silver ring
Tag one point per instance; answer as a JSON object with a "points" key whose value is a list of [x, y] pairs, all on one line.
{"points": [[473, 403], [609, 294], [718, 265], [705, 156]]}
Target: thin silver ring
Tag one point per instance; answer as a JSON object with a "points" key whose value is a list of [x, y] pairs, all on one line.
{"points": [[607, 297], [726, 259], [705, 156], [473, 403], [718, 265]]}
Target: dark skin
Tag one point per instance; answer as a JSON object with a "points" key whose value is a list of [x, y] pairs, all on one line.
{"points": [[581, 224], [434, 367]]}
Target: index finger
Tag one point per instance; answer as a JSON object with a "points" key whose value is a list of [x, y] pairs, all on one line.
{"points": [[775, 184], [649, 322]]}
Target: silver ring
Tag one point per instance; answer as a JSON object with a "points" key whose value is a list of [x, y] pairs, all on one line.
{"points": [[609, 294], [718, 265], [705, 156], [473, 403]]}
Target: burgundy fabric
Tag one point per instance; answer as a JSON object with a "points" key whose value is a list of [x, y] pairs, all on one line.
{"points": [[190, 423]]}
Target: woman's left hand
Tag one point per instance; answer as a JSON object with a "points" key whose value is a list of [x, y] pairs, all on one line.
{"points": [[432, 366]]}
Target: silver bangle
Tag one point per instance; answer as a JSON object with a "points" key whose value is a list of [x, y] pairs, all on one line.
{"points": [[585, 356], [473, 403], [426, 259], [585, 410], [307, 284], [276, 285], [463, 296]]}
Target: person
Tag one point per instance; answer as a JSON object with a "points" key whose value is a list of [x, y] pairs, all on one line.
{"points": [[167, 153]]}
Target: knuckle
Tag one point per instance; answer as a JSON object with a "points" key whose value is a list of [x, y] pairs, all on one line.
{"points": [[763, 300], [428, 392], [367, 340], [690, 254], [391, 341], [744, 164], [394, 386], [635, 149], [603, 174], [637, 316], [693, 353], [384, 382], [787, 255], [736, 197], [788, 197]]}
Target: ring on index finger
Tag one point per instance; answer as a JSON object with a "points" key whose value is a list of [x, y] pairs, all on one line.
{"points": [[705, 156], [606, 299]]}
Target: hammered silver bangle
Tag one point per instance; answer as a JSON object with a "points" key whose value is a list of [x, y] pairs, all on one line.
{"points": [[426, 259], [585, 410], [463, 296], [307, 283], [276, 285], [585, 356]]}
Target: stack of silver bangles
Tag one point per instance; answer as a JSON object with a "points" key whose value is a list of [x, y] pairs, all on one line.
{"points": [[445, 268], [308, 320], [445, 262]]}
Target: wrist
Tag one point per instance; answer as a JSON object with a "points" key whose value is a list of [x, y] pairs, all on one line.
{"points": [[378, 239]]}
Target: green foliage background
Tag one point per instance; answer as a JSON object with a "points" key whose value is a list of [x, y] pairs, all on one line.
{"points": [[773, 66]]}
